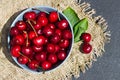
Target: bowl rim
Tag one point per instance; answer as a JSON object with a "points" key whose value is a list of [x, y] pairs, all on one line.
{"points": [[30, 9]]}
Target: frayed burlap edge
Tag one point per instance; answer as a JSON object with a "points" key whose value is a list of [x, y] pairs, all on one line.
{"points": [[77, 62]]}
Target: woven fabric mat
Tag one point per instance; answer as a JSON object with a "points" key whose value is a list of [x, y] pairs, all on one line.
{"points": [[75, 64]]}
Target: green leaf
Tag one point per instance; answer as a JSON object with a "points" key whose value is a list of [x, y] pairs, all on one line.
{"points": [[71, 15]]}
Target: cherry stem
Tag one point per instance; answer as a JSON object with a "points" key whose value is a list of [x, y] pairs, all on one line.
{"points": [[33, 21], [26, 37], [25, 56], [58, 15], [40, 10], [32, 27]]}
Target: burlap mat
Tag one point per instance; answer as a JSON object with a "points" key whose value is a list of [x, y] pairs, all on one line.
{"points": [[76, 63]]}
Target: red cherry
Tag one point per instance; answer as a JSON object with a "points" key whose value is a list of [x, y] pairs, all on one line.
{"points": [[39, 31], [46, 65], [39, 41], [42, 14], [41, 56], [23, 60], [31, 35], [47, 31], [86, 37], [46, 40], [61, 55], [15, 51], [86, 48], [37, 48], [52, 26], [52, 58], [27, 50], [53, 16], [55, 38], [58, 32], [63, 24], [57, 48], [64, 43], [42, 20], [37, 26], [33, 64], [50, 48], [30, 15], [21, 25], [19, 39], [14, 31], [67, 34]]}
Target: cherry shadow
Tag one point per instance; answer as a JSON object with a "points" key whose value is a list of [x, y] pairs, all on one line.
{"points": [[4, 37]]}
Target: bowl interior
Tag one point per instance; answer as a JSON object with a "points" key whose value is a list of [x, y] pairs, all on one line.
{"points": [[48, 9]]}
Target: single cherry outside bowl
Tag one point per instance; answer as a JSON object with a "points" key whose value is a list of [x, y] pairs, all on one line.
{"points": [[48, 9]]}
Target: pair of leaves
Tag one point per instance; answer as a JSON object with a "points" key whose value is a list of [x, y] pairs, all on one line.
{"points": [[79, 26]]}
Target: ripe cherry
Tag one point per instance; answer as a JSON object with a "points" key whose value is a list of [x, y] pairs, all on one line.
{"points": [[57, 48], [63, 24], [15, 50], [21, 25], [37, 48], [42, 20], [14, 31], [23, 60], [52, 58], [67, 34], [31, 35], [61, 55], [52, 26], [86, 37], [41, 56], [55, 38], [37, 26], [27, 50], [19, 39], [39, 41], [86, 48], [33, 64], [59, 32], [42, 14], [50, 48], [53, 16], [64, 43], [30, 15], [46, 65], [39, 31], [47, 31]]}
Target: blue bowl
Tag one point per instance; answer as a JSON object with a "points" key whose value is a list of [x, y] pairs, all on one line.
{"points": [[48, 9]]}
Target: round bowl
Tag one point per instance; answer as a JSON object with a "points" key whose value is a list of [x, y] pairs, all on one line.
{"points": [[48, 9]]}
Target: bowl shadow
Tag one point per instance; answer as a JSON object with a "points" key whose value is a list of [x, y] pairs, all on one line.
{"points": [[4, 38]]}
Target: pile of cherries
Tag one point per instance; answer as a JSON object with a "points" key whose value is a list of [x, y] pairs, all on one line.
{"points": [[40, 40]]}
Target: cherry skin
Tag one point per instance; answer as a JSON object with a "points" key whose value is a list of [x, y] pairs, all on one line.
{"points": [[67, 34], [55, 38], [61, 55], [30, 15], [46, 65], [31, 35], [52, 58], [58, 32], [37, 26], [23, 60], [57, 48], [63, 24], [37, 48], [64, 43], [33, 64], [47, 31], [27, 50], [50, 48], [21, 25], [15, 50], [42, 14], [86, 37], [19, 39], [42, 20], [41, 56], [52, 26], [39, 31], [53, 16], [14, 31], [39, 41], [86, 48]]}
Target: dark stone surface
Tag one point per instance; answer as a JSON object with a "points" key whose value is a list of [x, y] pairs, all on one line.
{"points": [[108, 66]]}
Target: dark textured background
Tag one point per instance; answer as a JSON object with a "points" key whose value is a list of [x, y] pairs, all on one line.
{"points": [[108, 66]]}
